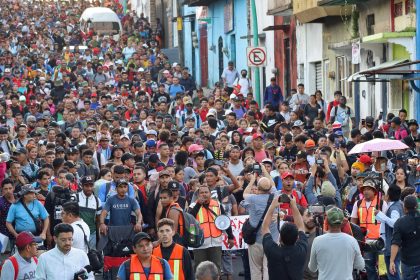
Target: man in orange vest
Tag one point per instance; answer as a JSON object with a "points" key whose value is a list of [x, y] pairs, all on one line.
{"points": [[206, 209], [363, 214], [143, 265], [172, 211], [177, 256]]}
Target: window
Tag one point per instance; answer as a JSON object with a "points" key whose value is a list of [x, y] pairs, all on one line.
{"points": [[344, 70], [409, 6], [398, 9], [318, 76], [370, 24]]}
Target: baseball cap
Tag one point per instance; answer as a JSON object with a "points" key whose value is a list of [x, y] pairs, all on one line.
{"points": [[256, 135], [141, 236], [370, 120], [267, 160], [335, 216], [25, 238], [369, 183], [174, 186], [195, 148], [301, 154], [121, 182], [87, 180], [365, 159], [151, 132], [327, 189], [298, 123], [287, 174], [396, 120], [233, 96], [164, 173], [358, 165], [21, 151], [27, 189], [124, 136], [269, 145], [309, 144], [150, 143], [154, 158]]}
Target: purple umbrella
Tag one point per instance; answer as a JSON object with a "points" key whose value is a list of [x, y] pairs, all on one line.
{"points": [[378, 145]]}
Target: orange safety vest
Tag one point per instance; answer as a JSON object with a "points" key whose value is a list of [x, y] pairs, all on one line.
{"points": [[137, 271], [206, 219], [180, 229], [175, 260], [367, 218]]}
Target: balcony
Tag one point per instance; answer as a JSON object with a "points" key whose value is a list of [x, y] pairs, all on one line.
{"points": [[310, 10], [197, 3], [405, 22], [280, 8]]}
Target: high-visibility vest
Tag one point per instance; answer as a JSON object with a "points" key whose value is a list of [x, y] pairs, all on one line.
{"points": [[175, 260], [180, 229], [206, 219], [137, 272], [367, 218]]}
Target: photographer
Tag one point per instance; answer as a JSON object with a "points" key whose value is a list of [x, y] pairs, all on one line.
{"points": [[285, 261], [320, 174], [335, 254]]}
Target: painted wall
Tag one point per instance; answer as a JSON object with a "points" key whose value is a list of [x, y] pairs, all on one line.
{"points": [[309, 51], [280, 55], [216, 30], [381, 9]]}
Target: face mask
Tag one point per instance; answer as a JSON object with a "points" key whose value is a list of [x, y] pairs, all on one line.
{"points": [[243, 75]]}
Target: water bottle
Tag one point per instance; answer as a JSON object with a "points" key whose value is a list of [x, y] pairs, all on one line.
{"points": [[191, 229]]}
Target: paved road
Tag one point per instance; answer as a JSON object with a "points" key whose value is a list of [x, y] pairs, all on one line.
{"points": [[237, 267]]}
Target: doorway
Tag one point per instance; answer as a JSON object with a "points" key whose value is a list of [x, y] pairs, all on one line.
{"points": [[220, 49]]}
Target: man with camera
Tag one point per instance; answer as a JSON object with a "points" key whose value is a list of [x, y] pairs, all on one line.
{"points": [[406, 236], [335, 254], [63, 262], [364, 215], [256, 205], [285, 261]]}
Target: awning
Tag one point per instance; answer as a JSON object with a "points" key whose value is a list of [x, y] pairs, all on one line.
{"points": [[385, 68], [384, 37], [283, 27], [339, 2]]}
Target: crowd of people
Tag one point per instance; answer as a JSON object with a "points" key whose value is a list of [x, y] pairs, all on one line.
{"points": [[114, 144]]}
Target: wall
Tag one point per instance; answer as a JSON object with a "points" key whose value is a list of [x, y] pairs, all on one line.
{"points": [[280, 55], [381, 9], [268, 43], [309, 50]]}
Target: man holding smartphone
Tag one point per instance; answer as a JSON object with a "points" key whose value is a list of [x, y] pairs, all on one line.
{"points": [[286, 259]]}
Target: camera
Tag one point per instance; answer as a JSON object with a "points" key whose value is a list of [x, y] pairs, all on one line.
{"points": [[284, 198], [257, 169], [319, 162], [83, 273], [373, 245], [316, 209]]}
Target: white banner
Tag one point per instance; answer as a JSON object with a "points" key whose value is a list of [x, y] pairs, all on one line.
{"points": [[236, 223]]}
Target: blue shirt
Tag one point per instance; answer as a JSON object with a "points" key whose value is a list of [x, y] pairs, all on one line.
{"points": [[167, 275], [21, 218], [102, 195], [120, 210]]}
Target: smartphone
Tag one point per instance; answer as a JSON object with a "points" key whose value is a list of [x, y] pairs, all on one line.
{"points": [[257, 169], [337, 143], [284, 198]]}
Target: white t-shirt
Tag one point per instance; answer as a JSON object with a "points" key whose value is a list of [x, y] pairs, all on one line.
{"points": [[78, 236]]}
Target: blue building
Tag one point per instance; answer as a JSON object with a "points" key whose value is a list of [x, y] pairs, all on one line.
{"points": [[217, 34]]}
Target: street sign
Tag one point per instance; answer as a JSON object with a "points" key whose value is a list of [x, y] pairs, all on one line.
{"points": [[257, 56]]}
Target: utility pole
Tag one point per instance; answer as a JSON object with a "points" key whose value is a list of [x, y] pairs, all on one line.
{"points": [[255, 44], [179, 26]]}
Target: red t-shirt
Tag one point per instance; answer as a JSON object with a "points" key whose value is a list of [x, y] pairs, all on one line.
{"points": [[300, 199]]}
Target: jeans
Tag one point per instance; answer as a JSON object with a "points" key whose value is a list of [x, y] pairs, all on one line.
{"points": [[371, 259], [410, 272], [245, 261], [397, 266], [92, 240]]}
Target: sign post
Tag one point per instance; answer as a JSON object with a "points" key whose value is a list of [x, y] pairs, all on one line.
{"points": [[256, 56]]}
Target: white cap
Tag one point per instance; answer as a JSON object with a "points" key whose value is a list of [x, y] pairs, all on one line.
{"points": [[174, 64], [141, 69], [22, 98], [233, 96]]}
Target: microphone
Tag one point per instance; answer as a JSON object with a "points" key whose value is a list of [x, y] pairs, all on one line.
{"points": [[83, 273]]}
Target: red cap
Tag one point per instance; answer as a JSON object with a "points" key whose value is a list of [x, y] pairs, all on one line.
{"points": [[287, 174], [256, 135], [309, 143], [25, 238], [365, 159], [94, 94]]}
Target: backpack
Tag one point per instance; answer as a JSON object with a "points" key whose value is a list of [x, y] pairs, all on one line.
{"points": [[15, 264], [193, 233], [336, 109], [96, 199]]}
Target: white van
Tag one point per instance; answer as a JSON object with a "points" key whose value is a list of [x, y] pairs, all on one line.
{"points": [[103, 21]]}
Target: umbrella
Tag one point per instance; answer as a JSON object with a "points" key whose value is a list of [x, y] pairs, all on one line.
{"points": [[378, 145]]}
